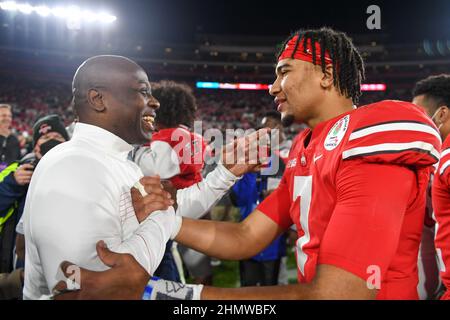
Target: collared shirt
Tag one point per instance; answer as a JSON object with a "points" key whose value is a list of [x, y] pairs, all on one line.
{"points": [[80, 194]]}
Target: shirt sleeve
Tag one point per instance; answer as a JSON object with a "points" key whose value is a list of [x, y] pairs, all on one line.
{"points": [[405, 137], [196, 200], [365, 226], [276, 206]]}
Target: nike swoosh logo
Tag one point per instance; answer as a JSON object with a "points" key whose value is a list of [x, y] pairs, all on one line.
{"points": [[318, 157]]}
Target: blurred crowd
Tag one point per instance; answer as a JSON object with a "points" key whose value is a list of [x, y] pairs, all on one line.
{"points": [[220, 109]]}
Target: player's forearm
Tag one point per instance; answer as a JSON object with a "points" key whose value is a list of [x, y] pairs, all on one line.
{"points": [[282, 292], [223, 240], [195, 201], [329, 283]]}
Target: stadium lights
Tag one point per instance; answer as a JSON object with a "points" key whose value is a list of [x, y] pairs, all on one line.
{"points": [[259, 86], [373, 87], [43, 11], [72, 13], [25, 8]]}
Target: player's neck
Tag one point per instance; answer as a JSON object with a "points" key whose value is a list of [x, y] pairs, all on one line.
{"points": [[330, 109]]}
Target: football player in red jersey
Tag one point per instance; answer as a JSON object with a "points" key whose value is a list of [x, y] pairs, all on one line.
{"points": [[354, 186], [433, 94], [176, 153]]}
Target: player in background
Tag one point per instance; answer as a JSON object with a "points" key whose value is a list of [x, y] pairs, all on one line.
{"points": [[433, 94]]}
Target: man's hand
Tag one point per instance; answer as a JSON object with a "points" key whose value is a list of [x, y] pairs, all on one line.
{"points": [[126, 280], [23, 174], [168, 186], [247, 154], [156, 199]]}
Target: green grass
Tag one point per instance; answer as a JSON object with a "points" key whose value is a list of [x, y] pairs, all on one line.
{"points": [[226, 275], [291, 263]]}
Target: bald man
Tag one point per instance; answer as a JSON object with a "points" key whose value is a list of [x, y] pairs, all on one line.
{"points": [[81, 191]]}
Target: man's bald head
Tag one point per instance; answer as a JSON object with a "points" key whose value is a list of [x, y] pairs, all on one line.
{"points": [[100, 72], [114, 93]]}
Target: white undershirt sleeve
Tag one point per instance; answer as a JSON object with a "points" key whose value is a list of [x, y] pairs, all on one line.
{"points": [[195, 201], [159, 159]]}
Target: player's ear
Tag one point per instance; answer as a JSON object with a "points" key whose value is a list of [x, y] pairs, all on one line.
{"points": [[96, 100], [443, 115], [327, 78]]}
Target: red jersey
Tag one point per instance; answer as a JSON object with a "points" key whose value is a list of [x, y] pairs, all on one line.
{"points": [[441, 206], [182, 152], [355, 188]]}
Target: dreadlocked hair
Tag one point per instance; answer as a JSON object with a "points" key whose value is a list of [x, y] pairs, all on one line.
{"points": [[348, 65], [178, 104]]}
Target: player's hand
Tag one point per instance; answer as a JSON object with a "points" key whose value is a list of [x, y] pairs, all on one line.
{"points": [[156, 199], [168, 186], [125, 280], [247, 154], [23, 174]]}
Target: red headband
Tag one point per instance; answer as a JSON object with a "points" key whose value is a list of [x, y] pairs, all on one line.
{"points": [[300, 53]]}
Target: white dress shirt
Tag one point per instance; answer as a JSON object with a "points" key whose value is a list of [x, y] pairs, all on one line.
{"points": [[80, 194]]}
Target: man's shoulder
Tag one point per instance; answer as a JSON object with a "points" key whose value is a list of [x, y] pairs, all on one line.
{"points": [[72, 154], [64, 167], [386, 111], [392, 131]]}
